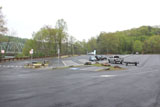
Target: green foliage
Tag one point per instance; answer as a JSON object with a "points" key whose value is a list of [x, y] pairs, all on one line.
{"points": [[12, 39], [30, 44], [137, 46], [129, 41], [152, 45], [47, 40], [20, 55], [92, 44]]}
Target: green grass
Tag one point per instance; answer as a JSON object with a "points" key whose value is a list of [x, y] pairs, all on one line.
{"points": [[98, 65]]}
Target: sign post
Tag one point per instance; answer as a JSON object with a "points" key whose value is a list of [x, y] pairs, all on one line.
{"points": [[31, 53], [2, 52], [58, 56], [94, 52]]}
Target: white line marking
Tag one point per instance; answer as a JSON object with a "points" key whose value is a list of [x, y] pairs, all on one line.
{"points": [[70, 63], [64, 63], [11, 66], [107, 75]]}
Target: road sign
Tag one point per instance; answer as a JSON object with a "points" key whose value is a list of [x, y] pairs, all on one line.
{"points": [[31, 51], [2, 51]]}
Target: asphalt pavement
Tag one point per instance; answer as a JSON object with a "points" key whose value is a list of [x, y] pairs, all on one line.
{"points": [[136, 86]]}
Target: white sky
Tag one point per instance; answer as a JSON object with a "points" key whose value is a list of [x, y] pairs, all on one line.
{"points": [[85, 18]]}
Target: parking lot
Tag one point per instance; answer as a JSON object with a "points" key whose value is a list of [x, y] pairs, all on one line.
{"points": [[81, 86]]}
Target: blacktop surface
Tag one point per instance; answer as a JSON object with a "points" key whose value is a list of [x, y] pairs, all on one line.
{"points": [[81, 86]]}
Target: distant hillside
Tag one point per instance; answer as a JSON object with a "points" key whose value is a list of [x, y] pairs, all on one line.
{"points": [[12, 39], [145, 39], [141, 31]]}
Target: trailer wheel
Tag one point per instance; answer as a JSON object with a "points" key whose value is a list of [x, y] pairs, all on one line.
{"points": [[135, 64]]}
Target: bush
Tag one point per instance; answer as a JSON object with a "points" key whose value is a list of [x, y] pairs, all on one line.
{"points": [[20, 55]]}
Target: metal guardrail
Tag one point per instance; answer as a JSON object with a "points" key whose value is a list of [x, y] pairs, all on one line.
{"points": [[13, 59], [22, 58]]}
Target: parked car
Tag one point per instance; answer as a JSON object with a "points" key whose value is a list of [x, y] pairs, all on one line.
{"points": [[90, 53], [103, 57], [115, 59], [100, 57], [92, 58]]}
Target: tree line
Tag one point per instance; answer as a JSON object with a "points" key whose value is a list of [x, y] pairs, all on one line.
{"points": [[145, 39], [47, 40]]}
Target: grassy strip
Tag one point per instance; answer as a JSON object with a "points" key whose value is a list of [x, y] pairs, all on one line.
{"points": [[111, 68]]}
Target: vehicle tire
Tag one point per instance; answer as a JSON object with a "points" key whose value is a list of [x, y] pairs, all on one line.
{"points": [[121, 62], [135, 64], [109, 61]]}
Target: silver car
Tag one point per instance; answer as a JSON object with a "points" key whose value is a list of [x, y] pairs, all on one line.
{"points": [[115, 59], [92, 58]]}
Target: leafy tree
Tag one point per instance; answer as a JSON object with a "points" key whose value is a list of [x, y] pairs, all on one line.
{"points": [[152, 45], [30, 44], [137, 46], [61, 27], [92, 44]]}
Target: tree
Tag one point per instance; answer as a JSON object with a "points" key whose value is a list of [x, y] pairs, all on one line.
{"points": [[92, 44], [61, 27], [152, 45], [46, 41], [3, 29], [137, 46], [71, 44]]}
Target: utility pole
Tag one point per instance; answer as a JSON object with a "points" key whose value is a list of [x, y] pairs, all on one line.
{"points": [[58, 55]]}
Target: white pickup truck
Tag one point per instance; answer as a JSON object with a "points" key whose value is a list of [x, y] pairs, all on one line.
{"points": [[115, 59]]}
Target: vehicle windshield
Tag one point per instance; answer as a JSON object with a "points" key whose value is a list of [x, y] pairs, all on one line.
{"points": [[116, 56]]}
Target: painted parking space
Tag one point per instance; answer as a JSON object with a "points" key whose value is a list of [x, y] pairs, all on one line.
{"points": [[70, 63], [83, 60]]}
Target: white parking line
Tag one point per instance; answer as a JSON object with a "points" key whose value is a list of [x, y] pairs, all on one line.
{"points": [[64, 63], [11, 66], [107, 75], [70, 63]]}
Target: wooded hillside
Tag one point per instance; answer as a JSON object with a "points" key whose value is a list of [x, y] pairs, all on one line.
{"points": [[145, 39]]}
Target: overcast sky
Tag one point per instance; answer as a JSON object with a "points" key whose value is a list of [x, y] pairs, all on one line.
{"points": [[85, 18]]}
